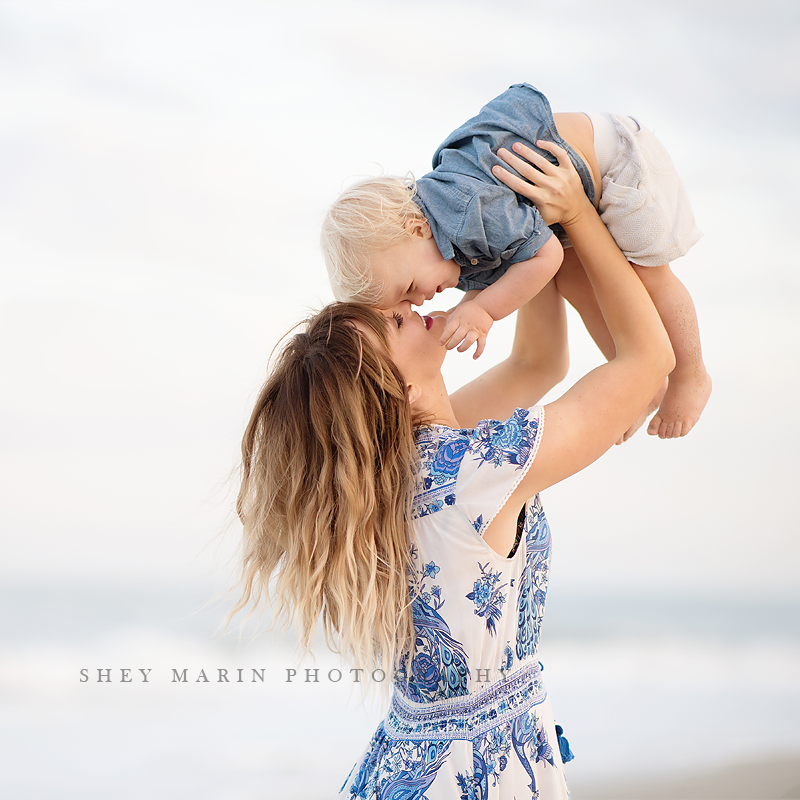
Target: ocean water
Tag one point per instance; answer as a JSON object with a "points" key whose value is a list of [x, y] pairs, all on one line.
{"points": [[642, 685]]}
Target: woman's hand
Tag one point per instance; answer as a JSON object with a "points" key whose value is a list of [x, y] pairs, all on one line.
{"points": [[556, 191]]}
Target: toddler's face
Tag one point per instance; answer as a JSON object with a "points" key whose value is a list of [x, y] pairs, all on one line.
{"points": [[413, 269]]}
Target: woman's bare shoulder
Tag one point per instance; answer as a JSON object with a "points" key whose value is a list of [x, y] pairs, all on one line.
{"points": [[575, 128]]}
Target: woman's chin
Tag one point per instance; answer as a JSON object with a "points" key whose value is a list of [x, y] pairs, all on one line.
{"points": [[435, 321]]}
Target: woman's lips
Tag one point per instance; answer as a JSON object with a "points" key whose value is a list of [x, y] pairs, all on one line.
{"points": [[428, 321]]}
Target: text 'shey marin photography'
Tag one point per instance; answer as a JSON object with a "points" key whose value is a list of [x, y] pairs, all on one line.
{"points": [[250, 675]]}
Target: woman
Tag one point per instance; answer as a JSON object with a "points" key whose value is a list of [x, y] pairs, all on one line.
{"points": [[422, 544]]}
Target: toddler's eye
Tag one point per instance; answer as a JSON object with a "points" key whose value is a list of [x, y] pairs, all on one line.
{"points": [[398, 318]]}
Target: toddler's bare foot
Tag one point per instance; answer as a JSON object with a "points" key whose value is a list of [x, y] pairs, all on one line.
{"points": [[641, 419], [681, 407]]}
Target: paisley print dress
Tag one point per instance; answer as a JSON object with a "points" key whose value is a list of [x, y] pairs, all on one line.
{"points": [[469, 718]]}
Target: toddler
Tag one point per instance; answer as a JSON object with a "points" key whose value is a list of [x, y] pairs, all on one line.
{"points": [[387, 240]]}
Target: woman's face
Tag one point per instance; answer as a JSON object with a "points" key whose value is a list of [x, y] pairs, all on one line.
{"points": [[414, 343]]}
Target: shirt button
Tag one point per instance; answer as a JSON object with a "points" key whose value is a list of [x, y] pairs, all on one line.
{"points": [[473, 261]]}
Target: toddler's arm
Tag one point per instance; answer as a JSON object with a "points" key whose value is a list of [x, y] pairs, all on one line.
{"points": [[469, 322]]}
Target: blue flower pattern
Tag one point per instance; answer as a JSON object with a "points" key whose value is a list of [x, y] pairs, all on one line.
{"points": [[507, 597], [489, 759], [509, 442], [487, 597], [430, 571], [440, 456]]}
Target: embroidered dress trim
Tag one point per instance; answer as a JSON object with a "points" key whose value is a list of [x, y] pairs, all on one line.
{"points": [[466, 717]]}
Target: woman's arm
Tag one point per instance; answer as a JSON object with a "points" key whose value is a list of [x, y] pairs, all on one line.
{"points": [[539, 360], [586, 421]]}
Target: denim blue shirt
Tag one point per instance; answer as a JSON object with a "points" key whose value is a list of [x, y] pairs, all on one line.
{"points": [[475, 219]]}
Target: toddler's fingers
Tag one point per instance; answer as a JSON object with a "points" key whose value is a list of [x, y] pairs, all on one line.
{"points": [[451, 326], [468, 341], [479, 347], [457, 337]]}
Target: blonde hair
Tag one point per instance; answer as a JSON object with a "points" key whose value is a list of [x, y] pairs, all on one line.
{"points": [[328, 475], [369, 216]]}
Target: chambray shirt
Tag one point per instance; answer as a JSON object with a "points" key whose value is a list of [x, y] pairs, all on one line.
{"points": [[476, 219]]}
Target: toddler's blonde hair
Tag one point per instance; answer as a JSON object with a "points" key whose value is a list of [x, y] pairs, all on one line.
{"points": [[369, 216]]}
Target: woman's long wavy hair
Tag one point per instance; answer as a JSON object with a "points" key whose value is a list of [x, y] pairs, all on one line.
{"points": [[328, 475]]}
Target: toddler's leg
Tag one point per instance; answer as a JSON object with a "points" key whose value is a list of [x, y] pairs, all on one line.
{"points": [[574, 285], [689, 383]]}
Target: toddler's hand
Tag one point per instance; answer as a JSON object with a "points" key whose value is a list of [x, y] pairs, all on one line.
{"points": [[467, 324]]}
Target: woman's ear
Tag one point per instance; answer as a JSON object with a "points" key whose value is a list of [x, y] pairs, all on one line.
{"points": [[413, 393]]}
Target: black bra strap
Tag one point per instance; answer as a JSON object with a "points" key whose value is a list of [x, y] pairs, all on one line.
{"points": [[520, 528]]}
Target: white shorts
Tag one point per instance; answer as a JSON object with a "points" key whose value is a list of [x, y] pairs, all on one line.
{"points": [[643, 202]]}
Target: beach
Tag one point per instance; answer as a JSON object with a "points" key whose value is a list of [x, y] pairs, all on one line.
{"points": [[757, 780]]}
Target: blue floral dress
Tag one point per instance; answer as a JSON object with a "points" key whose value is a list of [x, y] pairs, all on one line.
{"points": [[469, 718]]}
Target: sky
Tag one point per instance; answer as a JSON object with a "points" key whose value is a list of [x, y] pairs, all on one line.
{"points": [[165, 168]]}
